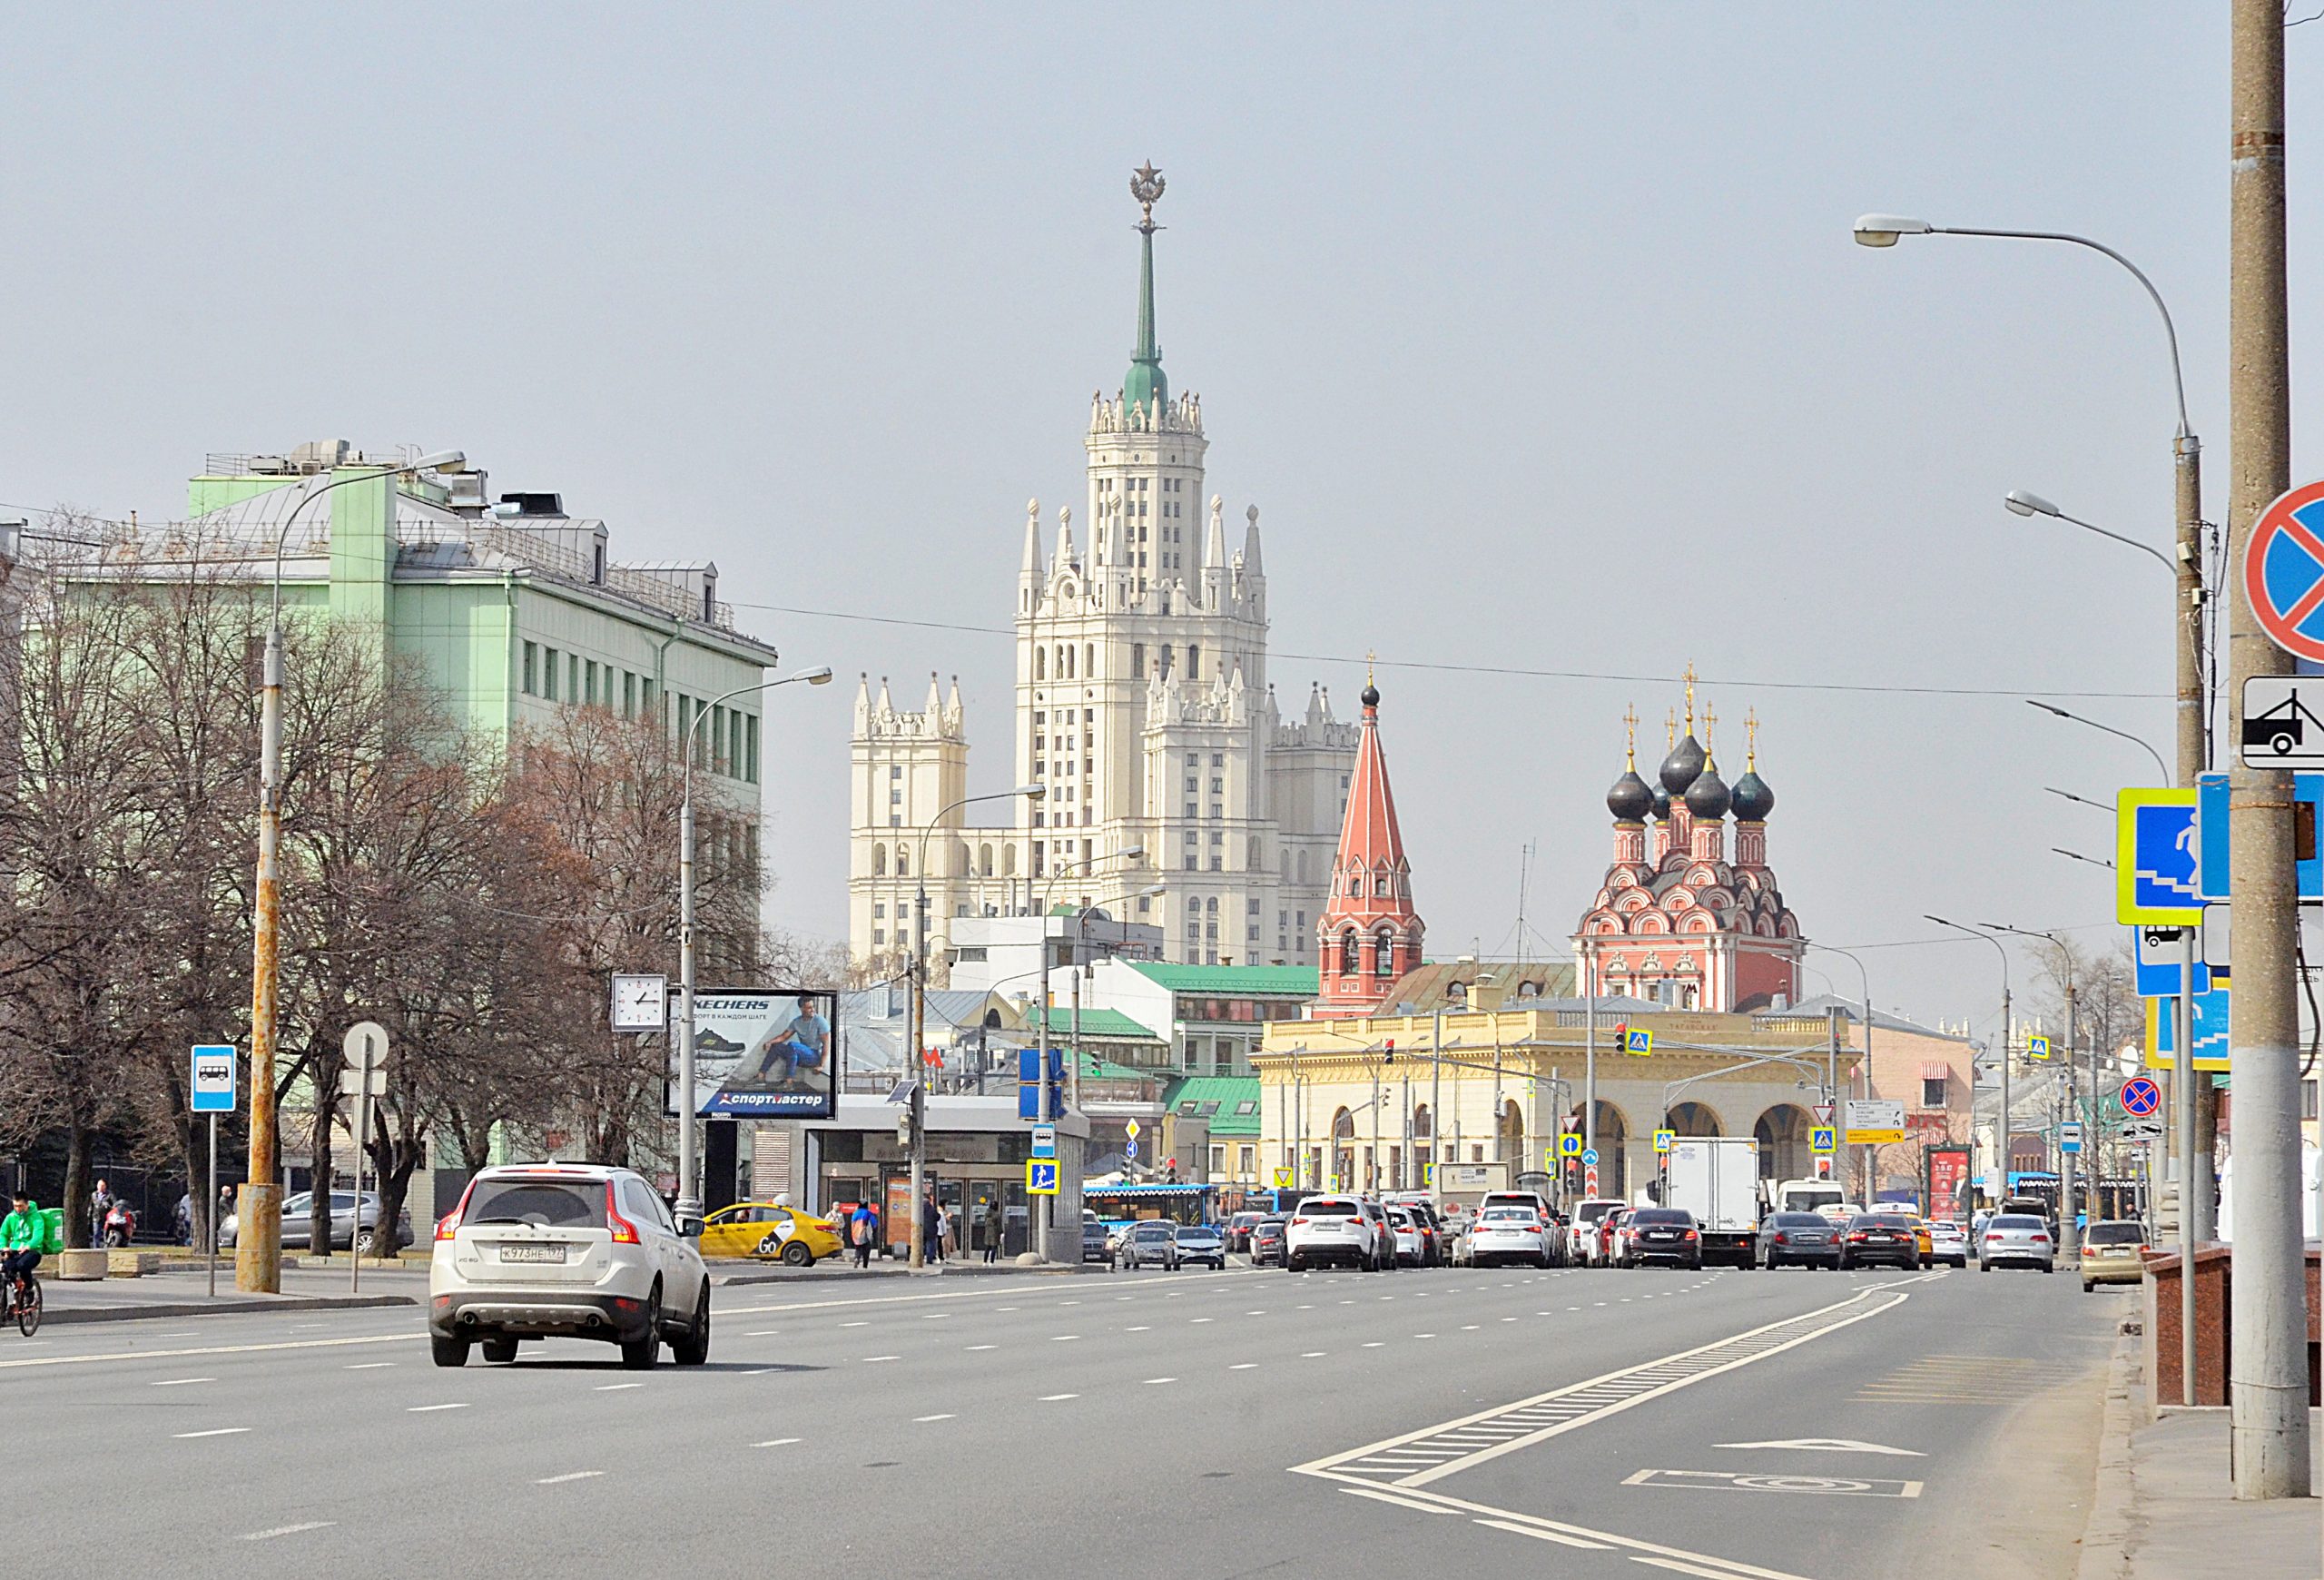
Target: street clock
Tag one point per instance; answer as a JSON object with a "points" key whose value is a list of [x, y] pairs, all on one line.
{"points": [[641, 1003]]}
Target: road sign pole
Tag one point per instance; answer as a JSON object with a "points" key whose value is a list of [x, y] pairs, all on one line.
{"points": [[2182, 1116], [2069, 1230], [210, 1212]]}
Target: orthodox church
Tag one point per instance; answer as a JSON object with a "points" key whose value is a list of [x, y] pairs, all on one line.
{"points": [[1370, 935]]}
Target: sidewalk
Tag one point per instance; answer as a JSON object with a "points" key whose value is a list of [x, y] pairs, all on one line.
{"points": [[182, 1291], [2165, 1507]]}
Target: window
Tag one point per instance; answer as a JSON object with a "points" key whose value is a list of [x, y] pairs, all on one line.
{"points": [[1194, 759], [1194, 662], [590, 690], [1380, 887], [879, 911], [531, 680], [1933, 1091], [630, 697], [1193, 784], [1384, 954], [1138, 651], [1041, 669], [1350, 958], [879, 861], [1218, 759], [1192, 838], [1217, 785], [751, 750], [573, 677], [548, 675]]}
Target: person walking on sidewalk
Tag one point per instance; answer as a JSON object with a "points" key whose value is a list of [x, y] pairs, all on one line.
{"points": [[862, 1227], [993, 1223], [931, 1228], [100, 1204]]}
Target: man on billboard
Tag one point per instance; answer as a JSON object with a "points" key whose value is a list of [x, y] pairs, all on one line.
{"points": [[798, 1044], [782, 1052]]}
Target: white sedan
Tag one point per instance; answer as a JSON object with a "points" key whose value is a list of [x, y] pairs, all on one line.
{"points": [[1508, 1234]]}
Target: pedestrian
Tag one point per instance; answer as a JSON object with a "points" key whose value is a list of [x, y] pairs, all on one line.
{"points": [[862, 1227], [993, 1223], [185, 1218], [931, 1229], [100, 1203]]}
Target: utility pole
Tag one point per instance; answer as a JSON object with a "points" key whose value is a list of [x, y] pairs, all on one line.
{"points": [[2069, 1232], [1589, 1055], [2268, 1368], [1435, 1093]]}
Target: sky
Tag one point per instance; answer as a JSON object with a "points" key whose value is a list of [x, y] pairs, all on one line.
{"points": [[1536, 332]]}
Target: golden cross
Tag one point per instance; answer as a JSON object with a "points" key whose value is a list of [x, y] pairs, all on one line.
{"points": [[1368, 658], [1710, 722], [1689, 677], [1630, 724], [1670, 730], [1751, 733]]}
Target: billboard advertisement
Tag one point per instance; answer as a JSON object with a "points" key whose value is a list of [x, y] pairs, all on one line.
{"points": [[764, 1054]]}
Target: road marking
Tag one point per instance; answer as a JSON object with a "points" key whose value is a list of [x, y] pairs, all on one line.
{"points": [[1471, 1440], [179, 1382], [1054, 1399], [1829, 1446], [288, 1530], [775, 1443], [213, 1432], [1141, 1327], [1063, 1338], [209, 1350], [923, 1420], [1202, 1318], [1153, 1380], [975, 1347], [1243, 1366], [763, 1333], [1372, 1343], [1638, 1551], [423, 1409], [616, 1388], [1392, 1497], [1423, 1336], [1313, 1354], [568, 1475], [1749, 1481], [1557, 1536], [859, 1322], [1472, 1327], [369, 1365], [870, 1358], [1685, 1568]]}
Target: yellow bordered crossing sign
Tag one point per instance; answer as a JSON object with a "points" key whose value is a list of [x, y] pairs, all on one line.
{"points": [[1823, 1139], [2037, 1047], [1637, 1040], [1662, 1139], [2155, 858]]}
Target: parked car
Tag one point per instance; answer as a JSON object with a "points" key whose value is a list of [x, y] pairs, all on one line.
{"points": [[1875, 1238], [1508, 1234], [578, 1250], [1332, 1228], [2112, 1252], [298, 1222], [1269, 1242], [1153, 1243], [1238, 1230], [763, 1230], [1664, 1234], [1096, 1244], [1202, 1242], [1948, 1242], [2017, 1236], [1801, 1238]]}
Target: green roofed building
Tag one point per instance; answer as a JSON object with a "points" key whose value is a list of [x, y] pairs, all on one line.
{"points": [[1215, 1015]]}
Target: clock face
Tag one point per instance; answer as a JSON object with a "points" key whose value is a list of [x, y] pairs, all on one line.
{"points": [[640, 1003]]}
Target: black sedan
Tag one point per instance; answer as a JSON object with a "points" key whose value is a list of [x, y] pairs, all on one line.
{"points": [[1803, 1240], [1096, 1246], [1664, 1234], [1875, 1238], [1268, 1243]]}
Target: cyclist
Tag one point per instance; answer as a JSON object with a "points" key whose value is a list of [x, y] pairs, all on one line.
{"points": [[20, 1233]]}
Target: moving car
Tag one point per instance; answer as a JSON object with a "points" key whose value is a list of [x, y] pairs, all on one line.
{"points": [[1202, 1242], [298, 1222], [1333, 1229], [1924, 1243], [1801, 1238], [1096, 1244], [1585, 1243], [1153, 1243], [1948, 1242], [1664, 1234], [1873, 1239], [761, 1229], [1268, 1241], [1411, 1239], [1238, 1230], [2112, 1252], [1508, 1234], [2017, 1236], [575, 1250]]}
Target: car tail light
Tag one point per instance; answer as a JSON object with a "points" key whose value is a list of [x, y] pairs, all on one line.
{"points": [[1779, 1238], [624, 1232], [1692, 1235], [1857, 1238], [449, 1223], [1297, 1221], [2041, 1240]]}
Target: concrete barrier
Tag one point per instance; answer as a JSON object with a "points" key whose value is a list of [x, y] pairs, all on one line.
{"points": [[132, 1264], [78, 1265]]}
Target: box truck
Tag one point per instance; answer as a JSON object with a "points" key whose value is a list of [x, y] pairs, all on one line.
{"points": [[1717, 1179]]}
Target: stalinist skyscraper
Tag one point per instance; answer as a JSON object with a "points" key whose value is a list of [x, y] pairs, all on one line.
{"points": [[1143, 704]]}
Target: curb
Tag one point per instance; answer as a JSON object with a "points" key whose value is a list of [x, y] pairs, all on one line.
{"points": [[852, 1275], [228, 1307], [2114, 1505]]}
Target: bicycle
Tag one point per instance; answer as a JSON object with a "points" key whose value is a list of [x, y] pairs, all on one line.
{"points": [[21, 1300]]}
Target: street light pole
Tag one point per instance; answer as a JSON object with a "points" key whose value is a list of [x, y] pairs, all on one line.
{"points": [[1871, 1186], [689, 1204], [257, 1239], [2069, 1230], [2001, 1129]]}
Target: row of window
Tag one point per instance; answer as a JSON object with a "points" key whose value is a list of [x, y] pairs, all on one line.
{"points": [[726, 742]]}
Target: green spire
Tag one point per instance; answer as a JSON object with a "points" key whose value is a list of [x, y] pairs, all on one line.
{"points": [[1145, 382]]}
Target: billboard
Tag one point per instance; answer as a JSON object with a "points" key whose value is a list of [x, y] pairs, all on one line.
{"points": [[764, 1054]]}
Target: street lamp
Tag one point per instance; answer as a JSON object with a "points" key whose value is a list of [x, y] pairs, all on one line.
{"points": [[2109, 729], [2001, 1130], [689, 1205], [1832, 1075], [2069, 1232], [2020, 502], [917, 968], [258, 1248]]}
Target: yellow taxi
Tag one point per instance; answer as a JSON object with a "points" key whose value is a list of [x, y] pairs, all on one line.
{"points": [[1923, 1242], [762, 1228]]}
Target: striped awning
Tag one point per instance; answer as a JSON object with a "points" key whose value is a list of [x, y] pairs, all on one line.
{"points": [[1936, 1070]]}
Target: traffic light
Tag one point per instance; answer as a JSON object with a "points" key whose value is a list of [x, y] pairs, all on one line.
{"points": [[1392, 1051]]}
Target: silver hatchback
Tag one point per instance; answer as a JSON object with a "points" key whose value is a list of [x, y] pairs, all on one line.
{"points": [[2016, 1237]]}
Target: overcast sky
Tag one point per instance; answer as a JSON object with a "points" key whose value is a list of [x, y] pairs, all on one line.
{"points": [[1536, 333]]}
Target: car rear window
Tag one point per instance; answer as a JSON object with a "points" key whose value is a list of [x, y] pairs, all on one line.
{"points": [[1885, 1220], [1508, 1215], [1154, 1231], [2016, 1221], [544, 1203], [2113, 1234], [1661, 1215], [1796, 1221], [1330, 1207], [1592, 1212]]}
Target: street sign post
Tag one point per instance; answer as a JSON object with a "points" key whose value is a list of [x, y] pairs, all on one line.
{"points": [[2156, 953], [1283, 1179], [2283, 571], [2140, 1097], [212, 1086], [365, 1078], [1041, 1176], [1570, 1144], [2154, 858], [2207, 1039], [1590, 1180], [1638, 1041], [1823, 1140], [1590, 1158], [1875, 1121], [2037, 1047], [1044, 1141]]}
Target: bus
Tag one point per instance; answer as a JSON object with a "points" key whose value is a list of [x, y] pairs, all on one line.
{"points": [[1120, 1204]]}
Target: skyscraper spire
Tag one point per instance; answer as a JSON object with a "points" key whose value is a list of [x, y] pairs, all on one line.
{"points": [[1145, 384]]}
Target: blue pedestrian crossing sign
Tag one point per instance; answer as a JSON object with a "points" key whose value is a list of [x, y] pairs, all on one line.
{"points": [[1569, 1145], [1637, 1040], [2155, 851], [1590, 1158], [1662, 1139], [2037, 1047], [1823, 1139], [1041, 1176]]}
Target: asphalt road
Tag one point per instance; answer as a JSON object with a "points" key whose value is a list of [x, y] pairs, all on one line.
{"points": [[1443, 1422]]}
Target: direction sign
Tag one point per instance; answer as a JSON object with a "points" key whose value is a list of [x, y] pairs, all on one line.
{"points": [[2154, 858], [1041, 1176], [2209, 1030], [1662, 1139], [2140, 1097], [1875, 1121], [1283, 1179], [2283, 571], [2070, 1137], [2037, 1047], [1569, 1145], [2281, 729], [1823, 1139], [1590, 1158], [213, 1078]]}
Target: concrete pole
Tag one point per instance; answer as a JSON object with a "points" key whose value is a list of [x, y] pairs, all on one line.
{"points": [[689, 1181], [1589, 1054], [2069, 1232], [258, 1223], [1041, 1086], [2002, 1192], [2268, 1369], [2183, 1126], [1435, 1089], [916, 1067]]}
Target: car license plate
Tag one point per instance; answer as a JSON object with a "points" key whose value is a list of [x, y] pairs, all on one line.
{"points": [[532, 1253]]}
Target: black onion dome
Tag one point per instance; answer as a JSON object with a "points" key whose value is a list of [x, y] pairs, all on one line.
{"points": [[1753, 799], [1708, 796], [1371, 694], [1662, 803], [1679, 768], [1629, 799]]}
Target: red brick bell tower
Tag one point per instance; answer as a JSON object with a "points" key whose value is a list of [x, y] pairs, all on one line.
{"points": [[1369, 934]]}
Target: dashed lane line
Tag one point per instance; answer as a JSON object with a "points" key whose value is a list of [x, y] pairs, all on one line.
{"points": [[267, 1536], [776, 1443], [1637, 1550], [214, 1432], [425, 1409], [568, 1475]]}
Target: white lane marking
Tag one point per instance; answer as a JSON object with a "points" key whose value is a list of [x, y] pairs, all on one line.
{"points": [[975, 1347], [762, 1371], [775, 1443], [1685, 1568], [1423, 1336], [1372, 1343], [209, 1350], [1053, 1398], [1747, 1481], [369, 1365], [934, 1316], [1472, 1327], [1254, 1313], [1392, 1497], [859, 1322], [1004, 1308], [1544, 1535], [1152, 1380], [1829, 1446], [763, 1333], [568, 1475], [288, 1530], [1644, 1552], [1141, 1327], [616, 1388], [923, 1420], [213, 1432], [1313, 1354], [1063, 1338], [870, 1358], [423, 1409], [1202, 1319], [1243, 1366], [179, 1382]]}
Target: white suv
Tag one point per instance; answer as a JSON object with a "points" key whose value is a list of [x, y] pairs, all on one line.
{"points": [[574, 1250], [1335, 1228]]}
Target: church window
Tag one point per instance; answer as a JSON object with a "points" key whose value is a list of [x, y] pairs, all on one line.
{"points": [[1380, 887], [1089, 659], [1350, 960], [879, 861], [1194, 662], [1385, 955], [1138, 651], [1041, 669]]}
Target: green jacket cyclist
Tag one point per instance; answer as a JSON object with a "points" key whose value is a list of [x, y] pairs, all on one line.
{"points": [[20, 1234]]}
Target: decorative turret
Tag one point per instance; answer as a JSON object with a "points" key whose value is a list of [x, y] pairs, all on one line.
{"points": [[1629, 799], [1369, 934], [1753, 801]]}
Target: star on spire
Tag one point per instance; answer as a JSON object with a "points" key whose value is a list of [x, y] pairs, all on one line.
{"points": [[1145, 184]]}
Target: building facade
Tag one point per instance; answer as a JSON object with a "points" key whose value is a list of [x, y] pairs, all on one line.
{"points": [[1177, 793]]}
